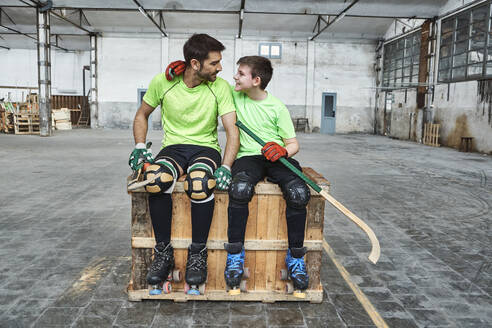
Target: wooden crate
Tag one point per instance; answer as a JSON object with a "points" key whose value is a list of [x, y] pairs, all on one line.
{"points": [[26, 123], [265, 244]]}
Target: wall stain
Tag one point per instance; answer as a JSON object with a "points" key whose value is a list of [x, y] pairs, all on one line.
{"points": [[485, 94], [460, 130]]}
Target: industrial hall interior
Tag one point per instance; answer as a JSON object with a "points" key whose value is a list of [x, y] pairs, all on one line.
{"points": [[246, 163]]}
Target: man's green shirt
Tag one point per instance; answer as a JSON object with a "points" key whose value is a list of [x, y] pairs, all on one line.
{"points": [[189, 115], [269, 119]]}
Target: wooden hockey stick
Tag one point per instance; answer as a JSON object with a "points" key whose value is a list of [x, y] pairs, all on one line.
{"points": [[133, 184], [376, 250]]}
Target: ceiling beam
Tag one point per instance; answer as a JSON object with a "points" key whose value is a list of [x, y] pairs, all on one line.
{"points": [[241, 18], [2, 11], [70, 22], [145, 13], [30, 37], [5, 47], [339, 16]]}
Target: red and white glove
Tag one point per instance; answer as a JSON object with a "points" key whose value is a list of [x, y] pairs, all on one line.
{"points": [[273, 151], [174, 69]]}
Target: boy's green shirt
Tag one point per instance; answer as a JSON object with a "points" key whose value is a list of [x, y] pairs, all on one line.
{"points": [[189, 115], [269, 119]]}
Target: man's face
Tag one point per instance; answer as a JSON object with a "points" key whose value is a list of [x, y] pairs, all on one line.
{"points": [[243, 78], [211, 66]]}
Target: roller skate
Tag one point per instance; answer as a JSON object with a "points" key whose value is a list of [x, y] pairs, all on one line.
{"points": [[196, 269], [234, 271], [296, 272], [161, 271]]}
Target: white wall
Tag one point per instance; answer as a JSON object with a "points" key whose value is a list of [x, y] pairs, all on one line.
{"points": [[128, 63], [18, 67]]}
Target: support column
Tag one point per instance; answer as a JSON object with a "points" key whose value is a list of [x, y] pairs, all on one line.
{"points": [[310, 84], [238, 53], [44, 72], [93, 98]]}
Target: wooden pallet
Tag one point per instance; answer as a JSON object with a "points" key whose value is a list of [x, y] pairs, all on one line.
{"points": [[26, 123], [265, 244], [431, 134]]}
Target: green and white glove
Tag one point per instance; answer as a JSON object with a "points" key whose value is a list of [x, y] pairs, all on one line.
{"points": [[139, 156], [223, 176]]}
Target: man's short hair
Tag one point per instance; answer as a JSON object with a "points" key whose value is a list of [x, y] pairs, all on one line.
{"points": [[198, 46], [260, 66]]}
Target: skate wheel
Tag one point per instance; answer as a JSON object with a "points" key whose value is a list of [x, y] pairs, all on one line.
{"points": [[201, 289], [186, 288], [234, 292], [193, 292], [243, 286], [155, 290], [299, 294], [283, 274], [177, 276], [167, 288], [246, 273], [289, 288]]}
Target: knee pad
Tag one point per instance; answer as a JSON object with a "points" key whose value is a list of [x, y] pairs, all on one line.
{"points": [[296, 193], [163, 184], [242, 189], [199, 184]]}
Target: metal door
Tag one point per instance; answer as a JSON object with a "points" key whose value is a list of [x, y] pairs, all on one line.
{"points": [[328, 110]]}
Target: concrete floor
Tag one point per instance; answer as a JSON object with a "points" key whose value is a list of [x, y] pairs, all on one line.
{"points": [[65, 237]]}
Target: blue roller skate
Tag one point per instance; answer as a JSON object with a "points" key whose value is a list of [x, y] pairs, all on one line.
{"points": [[296, 272], [234, 270]]}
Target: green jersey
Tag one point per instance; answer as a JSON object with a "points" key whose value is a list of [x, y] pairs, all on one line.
{"points": [[269, 119], [189, 115]]}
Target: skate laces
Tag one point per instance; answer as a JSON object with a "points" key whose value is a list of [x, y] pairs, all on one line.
{"points": [[196, 261], [297, 266], [234, 262], [160, 259]]}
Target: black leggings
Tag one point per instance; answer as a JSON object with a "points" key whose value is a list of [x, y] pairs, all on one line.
{"points": [[161, 205], [257, 167]]}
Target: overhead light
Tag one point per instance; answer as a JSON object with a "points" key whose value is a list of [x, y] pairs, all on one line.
{"points": [[142, 11], [342, 15], [241, 14]]}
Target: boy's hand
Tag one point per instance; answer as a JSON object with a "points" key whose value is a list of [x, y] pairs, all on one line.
{"points": [[223, 176], [273, 151], [139, 156], [174, 69]]}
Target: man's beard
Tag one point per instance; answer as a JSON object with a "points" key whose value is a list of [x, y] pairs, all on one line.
{"points": [[207, 77]]}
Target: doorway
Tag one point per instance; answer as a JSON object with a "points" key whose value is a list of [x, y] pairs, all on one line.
{"points": [[328, 111]]}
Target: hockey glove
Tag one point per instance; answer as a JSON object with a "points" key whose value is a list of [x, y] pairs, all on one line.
{"points": [[273, 151], [223, 176], [139, 156], [174, 69]]}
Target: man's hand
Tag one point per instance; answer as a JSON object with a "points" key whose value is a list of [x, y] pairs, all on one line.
{"points": [[273, 151], [174, 69], [223, 176], [139, 156]]}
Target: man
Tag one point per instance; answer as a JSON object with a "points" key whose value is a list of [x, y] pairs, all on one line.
{"points": [[190, 105]]}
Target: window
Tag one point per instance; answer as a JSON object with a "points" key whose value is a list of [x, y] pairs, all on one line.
{"points": [[270, 50], [401, 61], [465, 45]]}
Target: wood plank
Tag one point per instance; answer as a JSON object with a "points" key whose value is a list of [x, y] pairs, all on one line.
{"points": [[261, 234], [313, 296], [272, 222]]}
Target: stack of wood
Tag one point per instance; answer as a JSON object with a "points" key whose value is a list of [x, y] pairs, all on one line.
{"points": [[26, 122], [7, 117], [61, 119]]}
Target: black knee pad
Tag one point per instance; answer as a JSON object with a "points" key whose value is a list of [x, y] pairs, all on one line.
{"points": [[242, 189], [296, 193], [164, 183], [199, 184]]}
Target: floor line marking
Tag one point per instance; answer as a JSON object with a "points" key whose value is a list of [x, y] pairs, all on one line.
{"points": [[364, 301]]}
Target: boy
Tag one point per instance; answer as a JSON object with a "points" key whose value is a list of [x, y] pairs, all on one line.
{"points": [[269, 119]]}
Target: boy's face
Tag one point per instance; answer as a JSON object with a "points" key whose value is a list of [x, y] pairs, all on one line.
{"points": [[244, 80], [211, 66]]}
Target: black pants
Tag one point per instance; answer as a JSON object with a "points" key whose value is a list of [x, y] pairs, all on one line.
{"points": [[161, 205], [257, 168]]}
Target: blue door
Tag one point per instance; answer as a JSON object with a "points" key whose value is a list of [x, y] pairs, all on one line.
{"points": [[328, 110]]}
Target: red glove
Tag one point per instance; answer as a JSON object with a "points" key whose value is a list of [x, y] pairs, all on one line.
{"points": [[273, 151], [174, 69]]}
